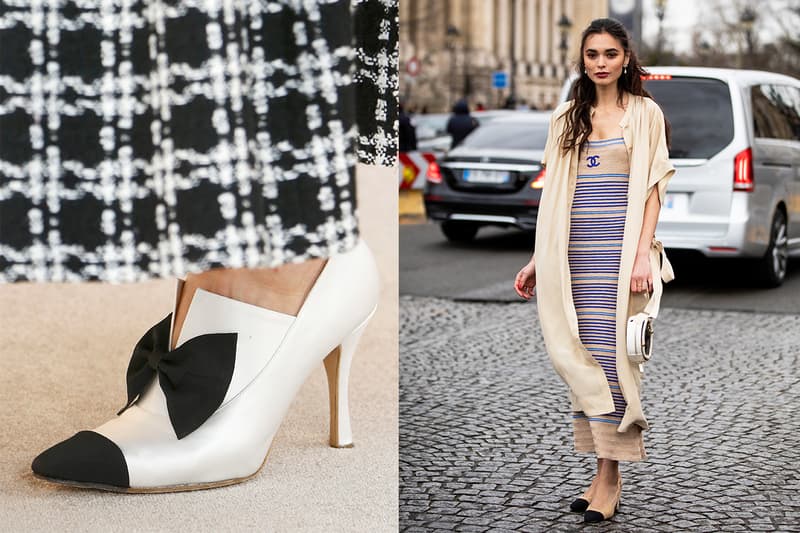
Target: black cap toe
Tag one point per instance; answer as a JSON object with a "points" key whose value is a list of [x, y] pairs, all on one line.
{"points": [[591, 516], [579, 505], [86, 457]]}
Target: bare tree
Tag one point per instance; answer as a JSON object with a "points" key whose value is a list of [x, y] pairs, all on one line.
{"points": [[722, 39]]}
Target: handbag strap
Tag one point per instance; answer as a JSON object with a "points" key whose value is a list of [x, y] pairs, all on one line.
{"points": [[667, 274]]}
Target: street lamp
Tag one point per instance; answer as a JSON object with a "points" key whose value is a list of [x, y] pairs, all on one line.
{"points": [[564, 24], [746, 19], [512, 71], [705, 50], [661, 6], [451, 36]]}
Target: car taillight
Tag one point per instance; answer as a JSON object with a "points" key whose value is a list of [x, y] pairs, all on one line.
{"points": [[538, 181], [743, 171], [434, 173]]}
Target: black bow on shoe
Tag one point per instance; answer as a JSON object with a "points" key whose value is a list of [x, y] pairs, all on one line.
{"points": [[194, 377]]}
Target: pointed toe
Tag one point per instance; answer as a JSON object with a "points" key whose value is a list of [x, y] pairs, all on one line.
{"points": [[591, 516], [85, 458], [579, 505]]}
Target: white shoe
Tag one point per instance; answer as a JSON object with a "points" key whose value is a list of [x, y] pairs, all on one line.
{"points": [[140, 450]]}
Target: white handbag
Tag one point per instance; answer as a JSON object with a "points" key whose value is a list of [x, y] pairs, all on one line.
{"points": [[640, 326], [640, 335]]}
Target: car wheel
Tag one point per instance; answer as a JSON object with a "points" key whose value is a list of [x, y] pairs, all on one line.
{"points": [[773, 264], [459, 231]]}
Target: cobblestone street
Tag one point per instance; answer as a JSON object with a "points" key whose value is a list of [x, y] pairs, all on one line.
{"points": [[486, 435]]}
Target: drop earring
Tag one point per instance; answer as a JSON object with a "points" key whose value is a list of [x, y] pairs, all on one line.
{"points": [[625, 69]]}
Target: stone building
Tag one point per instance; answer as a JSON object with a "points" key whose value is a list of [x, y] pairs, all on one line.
{"points": [[453, 46]]}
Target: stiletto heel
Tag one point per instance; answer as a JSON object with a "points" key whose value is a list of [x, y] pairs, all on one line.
{"points": [[337, 368]]}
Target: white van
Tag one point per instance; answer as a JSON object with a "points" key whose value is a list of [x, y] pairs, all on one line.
{"points": [[736, 150]]}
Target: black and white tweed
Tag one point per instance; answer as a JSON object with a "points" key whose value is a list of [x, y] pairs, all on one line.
{"points": [[144, 139]]}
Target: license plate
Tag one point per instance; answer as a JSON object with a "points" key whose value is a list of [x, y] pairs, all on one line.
{"points": [[676, 203], [486, 176]]}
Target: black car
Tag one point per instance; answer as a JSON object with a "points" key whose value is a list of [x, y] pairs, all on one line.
{"points": [[494, 177]]}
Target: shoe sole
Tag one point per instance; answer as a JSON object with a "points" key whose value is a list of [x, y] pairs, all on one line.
{"points": [[164, 490], [156, 490]]}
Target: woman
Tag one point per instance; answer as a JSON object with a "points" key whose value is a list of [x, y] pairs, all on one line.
{"points": [[596, 259], [217, 141]]}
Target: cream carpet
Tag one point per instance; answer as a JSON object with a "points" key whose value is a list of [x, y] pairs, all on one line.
{"points": [[64, 349]]}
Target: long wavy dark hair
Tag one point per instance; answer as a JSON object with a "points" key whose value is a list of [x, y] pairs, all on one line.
{"points": [[579, 119]]}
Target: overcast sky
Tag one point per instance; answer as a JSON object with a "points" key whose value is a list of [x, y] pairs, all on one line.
{"points": [[680, 17]]}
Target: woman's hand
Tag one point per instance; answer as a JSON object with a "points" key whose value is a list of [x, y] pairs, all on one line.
{"points": [[525, 282], [641, 277]]}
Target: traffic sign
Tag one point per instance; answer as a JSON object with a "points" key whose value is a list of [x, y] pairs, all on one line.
{"points": [[499, 79]]}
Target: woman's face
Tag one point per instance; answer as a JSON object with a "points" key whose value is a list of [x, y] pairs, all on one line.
{"points": [[604, 58]]}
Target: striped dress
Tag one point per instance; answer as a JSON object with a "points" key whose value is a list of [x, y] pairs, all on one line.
{"points": [[597, 222]]}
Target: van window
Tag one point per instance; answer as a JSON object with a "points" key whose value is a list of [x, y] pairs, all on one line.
{"points": [[793, 95], [699, 112], [776, 111]]}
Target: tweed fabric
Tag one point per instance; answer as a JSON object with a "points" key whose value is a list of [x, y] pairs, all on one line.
{"points": [[145, 139], [597, 221]]}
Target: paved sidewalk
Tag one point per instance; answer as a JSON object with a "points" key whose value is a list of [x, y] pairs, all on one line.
{"points": [[486, 438]]}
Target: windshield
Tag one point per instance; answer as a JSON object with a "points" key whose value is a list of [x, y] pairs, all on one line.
{"points": [[699, 112], [430, 126], [499, 134]]}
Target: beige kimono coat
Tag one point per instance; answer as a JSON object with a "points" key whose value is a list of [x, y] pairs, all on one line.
{"points": [[644, 134]]}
